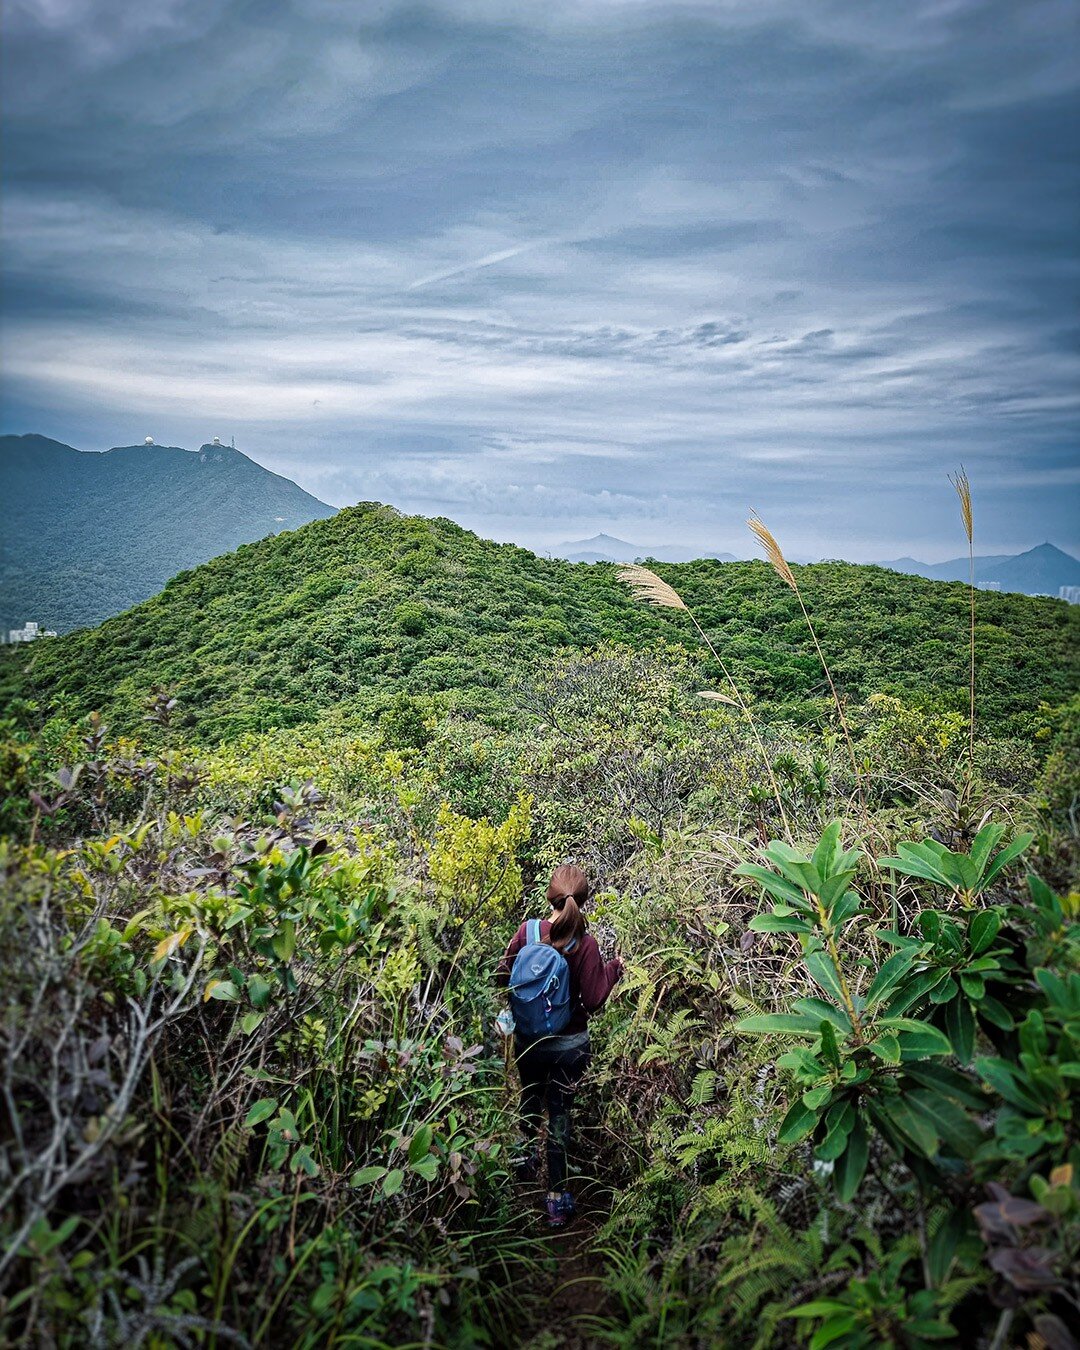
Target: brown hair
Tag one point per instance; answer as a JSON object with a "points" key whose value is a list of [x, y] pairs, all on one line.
{"points": [[568, 893]]}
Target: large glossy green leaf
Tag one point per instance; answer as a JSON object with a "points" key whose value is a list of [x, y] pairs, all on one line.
{"points": [[851, 1165], [797, 1124], [983, 929], [774, 923], [994, 1012], [1007, 855], [823, 973], [795, 866], [886, 1047], [944, 991], [890, 974], [913, 991], [953, 1125], [984, 844], [941, 1250], [777, 886], [832, 1145], [1003, 1078], [800, 1062], [830, 1050], [828, 847], [817, 1098], [915, 860], [943, 1079], [846, 908], [820, 1008], [973, 985], [912, 1127]]}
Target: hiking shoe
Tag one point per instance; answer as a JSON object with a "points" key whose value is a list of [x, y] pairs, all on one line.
{"points": [[526, 1167], [560, 1209]]}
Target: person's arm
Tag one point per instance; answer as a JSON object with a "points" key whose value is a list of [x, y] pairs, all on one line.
{"points": [[502, 970], [596, 977]]}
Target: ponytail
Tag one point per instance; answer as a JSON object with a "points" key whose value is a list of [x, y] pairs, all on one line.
{"points": [[568, 894]]}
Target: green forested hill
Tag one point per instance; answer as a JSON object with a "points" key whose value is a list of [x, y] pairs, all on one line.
{"points": [[85, 535], [349, 611]]}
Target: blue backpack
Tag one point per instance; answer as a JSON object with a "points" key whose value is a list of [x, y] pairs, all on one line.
{"points": [[540, 986]]}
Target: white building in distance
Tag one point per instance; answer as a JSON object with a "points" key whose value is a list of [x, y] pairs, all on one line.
{"points": [[30, 632], [1069, 593]]}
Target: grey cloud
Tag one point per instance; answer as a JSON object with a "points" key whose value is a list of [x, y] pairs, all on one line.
{"points": [[543, 257]]}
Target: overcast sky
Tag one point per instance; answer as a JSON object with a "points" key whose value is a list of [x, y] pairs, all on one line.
{"points": [[562, 266]]}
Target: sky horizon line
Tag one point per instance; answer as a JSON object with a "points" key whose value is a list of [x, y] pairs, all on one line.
{"points": [[743, 551]]}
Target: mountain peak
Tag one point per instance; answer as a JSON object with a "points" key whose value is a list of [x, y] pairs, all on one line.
{"points": [[93, 533]]}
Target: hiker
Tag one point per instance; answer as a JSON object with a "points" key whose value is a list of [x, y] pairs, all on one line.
{"points": [[556, 978]]}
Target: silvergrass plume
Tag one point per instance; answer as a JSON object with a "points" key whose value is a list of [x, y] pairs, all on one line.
{"points": [[773, 551], [647, 586], [715, 697], [963, 490]]}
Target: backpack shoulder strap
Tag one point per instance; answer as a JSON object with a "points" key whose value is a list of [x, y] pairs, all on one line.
{"points": [[570, 946], [532, 931]]}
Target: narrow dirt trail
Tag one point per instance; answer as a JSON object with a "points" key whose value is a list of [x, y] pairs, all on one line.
{"points": [[575, 1293]]}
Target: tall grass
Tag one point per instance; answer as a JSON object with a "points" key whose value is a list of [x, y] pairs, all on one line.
{"points": [[963, 490], [645, 585], [780, 566]]}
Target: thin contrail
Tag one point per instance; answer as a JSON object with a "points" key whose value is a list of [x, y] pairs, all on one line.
{"points": [[487, 261]]}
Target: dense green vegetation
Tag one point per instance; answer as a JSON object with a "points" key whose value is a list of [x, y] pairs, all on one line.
{"points": [[253, 1090], [352, 611]]}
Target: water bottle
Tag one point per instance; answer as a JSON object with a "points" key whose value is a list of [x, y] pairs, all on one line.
{"points": [[505, 1022]]}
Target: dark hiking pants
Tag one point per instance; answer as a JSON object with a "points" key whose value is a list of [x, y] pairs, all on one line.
{"points": [[550, 1071]]}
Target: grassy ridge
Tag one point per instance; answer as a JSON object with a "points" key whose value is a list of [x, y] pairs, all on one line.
{"points": [[349, 611]]}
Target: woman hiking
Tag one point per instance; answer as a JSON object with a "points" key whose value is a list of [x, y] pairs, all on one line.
{"points": [[556, 978]]}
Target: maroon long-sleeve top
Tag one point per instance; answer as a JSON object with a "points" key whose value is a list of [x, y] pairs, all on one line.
{"points": [[591, 977]]}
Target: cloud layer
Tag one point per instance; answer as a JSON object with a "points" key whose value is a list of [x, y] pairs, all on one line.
{"points": [[553, 268]]}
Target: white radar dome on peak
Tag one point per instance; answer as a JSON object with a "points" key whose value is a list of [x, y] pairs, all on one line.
{"points": [[149, 440]]}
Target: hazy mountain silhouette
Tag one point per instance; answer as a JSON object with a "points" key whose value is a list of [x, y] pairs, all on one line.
{"points": [[1039, 571], [87, 534], [606, 548]]}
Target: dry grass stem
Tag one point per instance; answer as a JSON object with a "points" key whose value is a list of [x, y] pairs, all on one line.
{"points": [[773, 552], [960, 482], [717, 698], [647, 586], [780, 566]]}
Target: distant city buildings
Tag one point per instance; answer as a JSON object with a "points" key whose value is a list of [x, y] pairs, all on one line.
{"points": [[1069, 593], [29, 632], [989, 586]]}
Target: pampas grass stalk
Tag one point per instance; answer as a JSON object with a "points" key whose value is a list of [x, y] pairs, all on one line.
{"points": [[780, 566], [963, 491], [645, 585]]}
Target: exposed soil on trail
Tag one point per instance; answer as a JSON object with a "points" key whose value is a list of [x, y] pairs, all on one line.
{"points": [[575, 1293]]}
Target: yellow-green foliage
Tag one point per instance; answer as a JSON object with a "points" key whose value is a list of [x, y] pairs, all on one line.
{"points": [[473, 863]]}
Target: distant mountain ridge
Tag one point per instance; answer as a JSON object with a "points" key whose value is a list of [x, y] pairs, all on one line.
{"points": [[87, 534], [606, 548], [1042, 570]]}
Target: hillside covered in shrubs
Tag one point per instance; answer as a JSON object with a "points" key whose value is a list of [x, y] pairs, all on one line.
{"points": [[349, 613], [267, 835]]}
